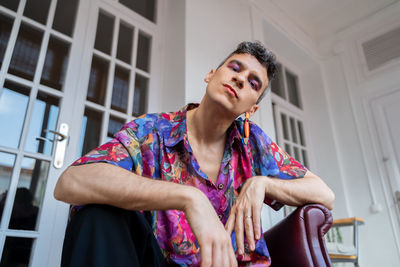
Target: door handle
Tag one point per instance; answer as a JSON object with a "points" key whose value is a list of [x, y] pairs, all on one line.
{"points": [[61, 144], [59, 134]]}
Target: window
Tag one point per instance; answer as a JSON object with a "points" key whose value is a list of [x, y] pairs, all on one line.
{"points": [[288, 115]]}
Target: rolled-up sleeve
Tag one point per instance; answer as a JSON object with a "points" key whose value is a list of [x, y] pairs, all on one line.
{"points": [[123, 151]]}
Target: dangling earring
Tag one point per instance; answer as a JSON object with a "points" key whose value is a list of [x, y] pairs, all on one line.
{"points": [[246, 128]]}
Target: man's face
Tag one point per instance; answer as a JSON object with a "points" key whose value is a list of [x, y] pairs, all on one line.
{"points": [[238, 84]]}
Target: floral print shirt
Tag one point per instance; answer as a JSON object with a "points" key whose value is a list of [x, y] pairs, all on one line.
{"points": [[156, 146]]}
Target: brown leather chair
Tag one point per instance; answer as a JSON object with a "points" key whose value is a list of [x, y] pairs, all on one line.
{"points": [[298, 240]]}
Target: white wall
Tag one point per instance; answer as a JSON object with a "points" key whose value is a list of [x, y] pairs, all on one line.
{"points": [[172, 21], [213, 30], [349, 93]]}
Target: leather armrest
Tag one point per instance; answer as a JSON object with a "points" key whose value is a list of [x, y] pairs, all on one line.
{"points": [[298, 240]]}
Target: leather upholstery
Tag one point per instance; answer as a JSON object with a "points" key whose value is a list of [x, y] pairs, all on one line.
{"points": [[298, 240]]}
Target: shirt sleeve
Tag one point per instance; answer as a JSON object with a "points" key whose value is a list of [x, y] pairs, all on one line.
{"points": [[271, 160], [112, 152], [123, 151]]}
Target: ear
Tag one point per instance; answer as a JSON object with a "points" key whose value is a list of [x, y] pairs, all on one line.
{"points": [[253, 109], [208, 77]]}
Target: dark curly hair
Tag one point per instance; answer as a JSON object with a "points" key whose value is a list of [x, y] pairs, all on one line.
{"points": [[262, 54]]}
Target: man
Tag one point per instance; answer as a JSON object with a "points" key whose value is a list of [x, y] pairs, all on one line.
{"points": [[211, 173]]}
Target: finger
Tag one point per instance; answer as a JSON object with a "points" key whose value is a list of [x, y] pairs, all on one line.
{"points": [[248, 226], [206, 255], [216, 255], [257, 221], [232, 256], [225, 254], [239, 232], [230, 223]]}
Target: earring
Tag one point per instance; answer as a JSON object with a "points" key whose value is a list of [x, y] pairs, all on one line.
{"points": [[246, 128]]}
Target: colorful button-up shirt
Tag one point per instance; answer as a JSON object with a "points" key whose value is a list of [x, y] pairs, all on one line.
{"points": [[156, 146]]}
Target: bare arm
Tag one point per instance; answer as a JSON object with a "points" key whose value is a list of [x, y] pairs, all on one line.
{"points": [[103, 183], [245, 214], [297, 192]]}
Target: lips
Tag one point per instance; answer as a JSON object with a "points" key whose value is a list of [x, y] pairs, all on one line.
{"points": [[230, 89]]}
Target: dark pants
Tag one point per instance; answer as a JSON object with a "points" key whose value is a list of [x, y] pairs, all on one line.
{"points": [[106, 236]]}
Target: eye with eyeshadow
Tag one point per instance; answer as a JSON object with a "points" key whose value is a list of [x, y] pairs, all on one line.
{"points": [[235, 67], [254, 84]]}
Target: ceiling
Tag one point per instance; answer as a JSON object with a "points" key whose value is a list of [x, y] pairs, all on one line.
{"points": [[322, 18]]}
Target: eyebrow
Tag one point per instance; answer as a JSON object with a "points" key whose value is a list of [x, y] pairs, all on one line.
{"points": [[241, 66]]}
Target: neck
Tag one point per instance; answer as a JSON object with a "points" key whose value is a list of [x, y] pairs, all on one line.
{"points": [[208, 123]]}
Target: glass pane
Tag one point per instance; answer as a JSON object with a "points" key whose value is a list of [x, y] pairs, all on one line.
{"points": [[140, 96], [296, 153], [98, 80], [287, 149], [17, 251], [301, 133], [11, 4], [30, 193], [91, 128], [104, 33], [44, 117], [125, 40], [55, 64], [293, 130], [37, 10], [5, 30], [146, 8], [120, 89], [6, 168], [143, 53], [305, 158], [64, 18], [114, 125], [277, 83], [13, 104], [284, 126], [291, 80], [26, 52]]}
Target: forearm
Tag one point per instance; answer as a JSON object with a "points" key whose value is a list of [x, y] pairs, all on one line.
{"points": [[297, 192], [102, 183]]}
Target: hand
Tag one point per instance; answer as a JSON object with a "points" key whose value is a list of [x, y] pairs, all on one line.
{"points": [[214, 241], [246, 212]]}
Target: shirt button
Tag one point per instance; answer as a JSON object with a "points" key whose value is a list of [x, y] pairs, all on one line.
{"points": [[220, 216], [220, 186]]}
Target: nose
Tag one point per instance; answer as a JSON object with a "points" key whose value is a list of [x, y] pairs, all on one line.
{"points": [[239, 80]]}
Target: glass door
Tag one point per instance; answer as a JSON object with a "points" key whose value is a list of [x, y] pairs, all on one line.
{"points": [[37, 45], [71, 73], [118, 70]]}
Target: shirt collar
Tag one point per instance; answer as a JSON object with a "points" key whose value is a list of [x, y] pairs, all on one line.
{"points": [[178, 127]]}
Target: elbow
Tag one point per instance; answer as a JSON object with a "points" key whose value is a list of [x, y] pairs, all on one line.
{"points": [[330, 200], [62, 190]]}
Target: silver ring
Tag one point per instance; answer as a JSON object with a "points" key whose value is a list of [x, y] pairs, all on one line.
{"points": [[248, 216]]}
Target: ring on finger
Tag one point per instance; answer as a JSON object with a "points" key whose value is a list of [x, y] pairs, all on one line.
{"points": [[248, 217]]}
